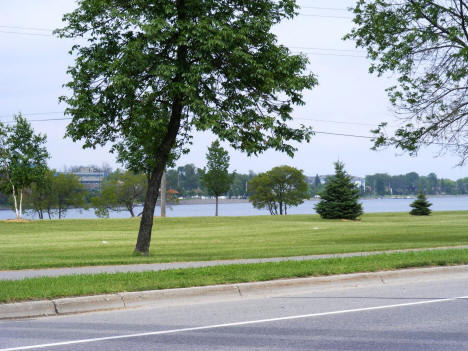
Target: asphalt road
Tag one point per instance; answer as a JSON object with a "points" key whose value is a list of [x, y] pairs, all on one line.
{"points": [[425, 315]]}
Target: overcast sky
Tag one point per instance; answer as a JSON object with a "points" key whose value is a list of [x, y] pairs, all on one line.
{"points": [[347, 100]]}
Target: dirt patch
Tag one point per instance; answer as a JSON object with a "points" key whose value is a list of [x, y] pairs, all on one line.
{"points": [[16, 220]]}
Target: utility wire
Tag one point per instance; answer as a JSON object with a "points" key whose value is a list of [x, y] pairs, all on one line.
{"points": [[342, 134], [28, 28], [315, 131], [337, 122], [34, 114], [323, 8], [51, 35], [325, 49], [325, 16], [294, 118], [25, 33], [325, 54]]}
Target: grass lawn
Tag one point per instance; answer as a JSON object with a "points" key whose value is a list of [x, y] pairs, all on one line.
{"points": [[39, 244], [78, 285]]}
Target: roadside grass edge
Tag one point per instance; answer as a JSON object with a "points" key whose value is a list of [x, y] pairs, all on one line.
{"points": [[95, 284]]}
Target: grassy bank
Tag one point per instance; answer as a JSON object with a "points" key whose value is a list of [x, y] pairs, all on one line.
{"points": [[79, 285], [39, 244]]}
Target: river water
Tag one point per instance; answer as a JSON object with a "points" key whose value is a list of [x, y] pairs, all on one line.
{"points": [[452, 203]]}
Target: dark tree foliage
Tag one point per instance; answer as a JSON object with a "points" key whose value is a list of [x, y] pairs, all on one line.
{"points": [[121, 191], [420, 206], [215, 177], [148, 73], [339, 200], [425, 43]]}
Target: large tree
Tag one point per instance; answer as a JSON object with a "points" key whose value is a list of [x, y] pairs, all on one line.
{"points": [[149, 73], [23, 159], [279, 188], [425, 43], [215, 177]]}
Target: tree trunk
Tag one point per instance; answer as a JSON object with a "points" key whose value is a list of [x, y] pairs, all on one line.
{"points": [[21, 203], [164, 149], [163, 195], [281, 208], [130, 209], [216, 212]]}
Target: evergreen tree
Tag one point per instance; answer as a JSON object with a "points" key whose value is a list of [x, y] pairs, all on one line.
{"points": [[420, 206], [340, 197]]}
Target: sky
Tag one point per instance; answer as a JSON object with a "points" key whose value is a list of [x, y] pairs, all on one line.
{"points": [[348, 100]]}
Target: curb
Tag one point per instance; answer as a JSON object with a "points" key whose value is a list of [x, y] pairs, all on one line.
{"points": [[212, 293]]}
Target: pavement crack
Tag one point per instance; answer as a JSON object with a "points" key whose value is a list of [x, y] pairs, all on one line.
{"points": [[55, 307], [239, 291]]}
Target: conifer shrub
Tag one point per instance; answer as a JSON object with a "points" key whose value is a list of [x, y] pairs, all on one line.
{"points": [[420, 206], [339, 200]]}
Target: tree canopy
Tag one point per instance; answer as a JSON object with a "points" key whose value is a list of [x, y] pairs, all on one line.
{"points": [[425, 43], [278, 189], [150, 73]]}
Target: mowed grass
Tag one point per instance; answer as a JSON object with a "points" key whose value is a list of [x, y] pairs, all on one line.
{"points": [[40, 244], [79, 285]]}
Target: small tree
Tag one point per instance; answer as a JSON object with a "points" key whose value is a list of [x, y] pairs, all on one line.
{"points": [[278, 189], [23, 159], [340, 197], [121, 191], [68, 192], [420, 206], [41, 197], [215, 177]]}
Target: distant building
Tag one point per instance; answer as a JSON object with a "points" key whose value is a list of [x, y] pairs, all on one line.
{"points": [[360, 182], [91, 178]]}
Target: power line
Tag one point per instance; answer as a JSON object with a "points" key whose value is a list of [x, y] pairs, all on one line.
{"points": [[325, 54], [28, 28], [323, 8], [34, 114], [315, 131], [337, 122], [342, 134], [67, 118], [25, 33], [51, 35], [325, 16], [326, 49]]}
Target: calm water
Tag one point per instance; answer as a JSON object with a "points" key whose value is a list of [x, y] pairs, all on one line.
{"points": [[246, 209]]}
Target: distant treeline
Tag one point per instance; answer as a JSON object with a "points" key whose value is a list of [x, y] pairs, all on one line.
{"points": [[381, 184], [184, 181]]}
